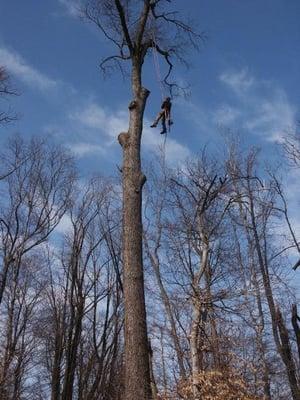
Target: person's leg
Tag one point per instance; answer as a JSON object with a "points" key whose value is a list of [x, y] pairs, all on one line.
{"points": [[163, 124], [169, 121], [158, 118]]}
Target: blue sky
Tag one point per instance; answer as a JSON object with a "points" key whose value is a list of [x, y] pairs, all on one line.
{"points": [[245, 78]]}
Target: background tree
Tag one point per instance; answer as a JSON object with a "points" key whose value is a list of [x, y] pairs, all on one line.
{"points": [[6, 91], [38, 194]]}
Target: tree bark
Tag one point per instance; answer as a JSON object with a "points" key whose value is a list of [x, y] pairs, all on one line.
{"points": [[195, 356], [198, 328], [287, 356], [137, 374], [296, 326]]}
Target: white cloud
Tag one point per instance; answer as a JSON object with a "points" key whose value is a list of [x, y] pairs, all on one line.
{"points": [[239, 81], [82, 149], [64, 225], [92, 116], [98, 119], [16, 65], [273, 116], [261, 107], [72, 6], [105, 126], [226, 115], [175, 152], [199, 115]]}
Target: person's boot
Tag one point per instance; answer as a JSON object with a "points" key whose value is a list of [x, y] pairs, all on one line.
{"points": [[154, 125]]}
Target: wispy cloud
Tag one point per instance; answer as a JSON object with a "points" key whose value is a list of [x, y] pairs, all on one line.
{"points": [[261, 107], [239, 81], [175, 152], [100, 129], [100, 120], [17, 65], [71, 6], [82, 149], [226, 114]]}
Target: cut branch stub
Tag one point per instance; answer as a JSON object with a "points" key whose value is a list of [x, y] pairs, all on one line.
{"points": [[123, 139], [142, 181]]}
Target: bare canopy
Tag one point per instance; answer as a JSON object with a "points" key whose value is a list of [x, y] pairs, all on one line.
{"points": [[133, 31]]}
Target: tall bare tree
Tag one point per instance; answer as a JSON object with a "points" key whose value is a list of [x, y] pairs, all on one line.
{"points": [[135, 28], [38, 190], [257, 206], [81, 304]]}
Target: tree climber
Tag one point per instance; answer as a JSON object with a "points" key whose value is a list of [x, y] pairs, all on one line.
{"points": [[164, 115]]}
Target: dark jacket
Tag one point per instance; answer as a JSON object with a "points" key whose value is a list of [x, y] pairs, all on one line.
{"points": [[166, 105]]}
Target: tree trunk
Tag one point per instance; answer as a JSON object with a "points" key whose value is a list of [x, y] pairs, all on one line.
{"points": [[296, 326], [195, 356], [198, 327], [287, 356], [154, 390], [56, 369], [72, 350], [259, 330], [168, 309], [137, 374]]}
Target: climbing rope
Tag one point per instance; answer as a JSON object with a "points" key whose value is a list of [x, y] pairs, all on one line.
{"points": [[156, 59]]}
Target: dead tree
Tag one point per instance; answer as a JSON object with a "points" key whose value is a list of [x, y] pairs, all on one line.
{"points": [[39, 190], [81, 309], [199, 200], [257, 204], [134, 30]]}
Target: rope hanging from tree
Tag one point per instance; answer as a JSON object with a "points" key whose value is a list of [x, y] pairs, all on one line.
{"points": [[156, 60]]}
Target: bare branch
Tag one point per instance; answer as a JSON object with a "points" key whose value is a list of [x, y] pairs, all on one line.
{"points": [[124, 25], [5, 91], [116, 62]]}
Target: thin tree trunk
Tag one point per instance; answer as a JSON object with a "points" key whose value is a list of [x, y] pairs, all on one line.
{"points": [[163, 363], [296, 326], [196, 353], [195, 357], [287, 356], [209, 311], [168, 308], [154, 390], [259, 339], [56, 369], [71, 352]]}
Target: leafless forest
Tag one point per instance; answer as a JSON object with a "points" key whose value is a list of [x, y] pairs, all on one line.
{"points": [[217, 253]]}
